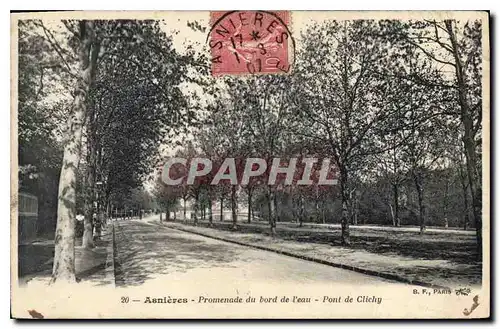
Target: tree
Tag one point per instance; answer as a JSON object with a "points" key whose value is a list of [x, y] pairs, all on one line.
{"points": [[224, 138], [345, 101], [116, 129], [416, 133], [263, 101], [456, 45], [40, 152], [167, 197], [468, 78], [64, 257], [138, 101]]}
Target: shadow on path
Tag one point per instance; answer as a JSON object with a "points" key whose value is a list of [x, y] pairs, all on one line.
{"points": [[144, 251]]}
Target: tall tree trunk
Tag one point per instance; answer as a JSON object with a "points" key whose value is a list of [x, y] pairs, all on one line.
{"points": [[195, 212], [210, 214], [465, 194], [99, 196], [88, 239], [395, 190], [249, 219], [64, 255], [301, 210], [272, 211], [184, 208], [221, 208], [344, 221], [468, 141], [99, 219], [295, 208], [108, 212], [233, 206], [276, 209], [421, 213], [345, 140], [316, 204], [417, 178], [354, 207], [393, 217], [323, 212]]}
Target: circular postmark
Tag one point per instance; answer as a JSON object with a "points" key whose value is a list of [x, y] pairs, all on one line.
{"points": [[251, 42]]}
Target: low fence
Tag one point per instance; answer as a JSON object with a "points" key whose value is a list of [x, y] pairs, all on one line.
{"points": [[27, 217]]}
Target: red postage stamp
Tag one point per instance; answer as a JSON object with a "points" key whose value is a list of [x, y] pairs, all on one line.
{"points": [[250, 42]]}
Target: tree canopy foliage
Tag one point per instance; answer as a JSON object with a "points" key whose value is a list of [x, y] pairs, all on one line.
{"points": [[396, 105]]}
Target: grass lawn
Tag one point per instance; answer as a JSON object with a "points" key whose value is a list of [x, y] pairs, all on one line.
{"points": [[439, 257]]}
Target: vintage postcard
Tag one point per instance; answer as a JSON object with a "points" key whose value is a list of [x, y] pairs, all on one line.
{"points": [[250, 165]]}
